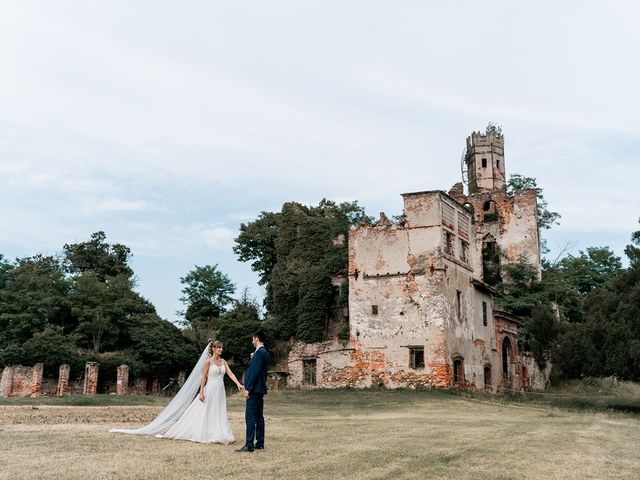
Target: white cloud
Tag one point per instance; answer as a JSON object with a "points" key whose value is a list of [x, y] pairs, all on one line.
{"points": [[169, 133], [119, 205]]}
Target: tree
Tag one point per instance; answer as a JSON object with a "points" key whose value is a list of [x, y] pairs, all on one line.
{"points": [[160, 346], [531, 300], [546, 218], [99, 257], [34, 296], [207, 294], [207, 285], [236, 327], [84, 307], [607, 340], [595, 268], [52, 347], [297, 251], [105, 309], [4, 268], [257, 243]]}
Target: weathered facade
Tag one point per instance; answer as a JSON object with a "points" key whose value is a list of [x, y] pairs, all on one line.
{"points": [[421, 308]]}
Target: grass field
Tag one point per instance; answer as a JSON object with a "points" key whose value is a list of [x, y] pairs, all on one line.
{"points": [[326, 435]]}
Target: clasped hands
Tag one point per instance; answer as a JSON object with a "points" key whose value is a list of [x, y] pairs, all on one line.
{"points": [[245, 393]]}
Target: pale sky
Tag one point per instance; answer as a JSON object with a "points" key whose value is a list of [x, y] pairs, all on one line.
{"points": [[167, 124]]}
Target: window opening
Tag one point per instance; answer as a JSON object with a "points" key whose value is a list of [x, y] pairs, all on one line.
{"points": [[309, 367], [485, 321], [487, 377], [416, 357], [458, 372]]}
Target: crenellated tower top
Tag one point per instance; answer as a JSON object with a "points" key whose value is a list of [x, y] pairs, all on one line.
{"points": [[484, 159]]}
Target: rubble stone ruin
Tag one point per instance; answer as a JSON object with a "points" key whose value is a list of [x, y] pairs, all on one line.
{"points": [[421, 301]]}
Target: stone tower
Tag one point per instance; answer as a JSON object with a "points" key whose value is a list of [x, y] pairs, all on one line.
{"points": [[485, 162]]}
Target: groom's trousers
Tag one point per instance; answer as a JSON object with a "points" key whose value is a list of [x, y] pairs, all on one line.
{"points": [[255, 420]]}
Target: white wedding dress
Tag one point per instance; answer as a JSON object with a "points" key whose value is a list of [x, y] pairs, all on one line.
{"points": [[205, 422], [186, 417]]}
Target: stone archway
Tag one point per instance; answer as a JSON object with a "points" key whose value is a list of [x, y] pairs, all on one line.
{"points": [[507, 356]]}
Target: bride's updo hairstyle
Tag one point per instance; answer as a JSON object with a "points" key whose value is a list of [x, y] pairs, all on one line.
{"points": [[214, 345]]}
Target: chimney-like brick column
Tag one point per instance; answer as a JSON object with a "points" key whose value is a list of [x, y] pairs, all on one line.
{"points": [[7, 381], [36, 380], [63, 380], [122, 383], [153, 388], [91, 378]]}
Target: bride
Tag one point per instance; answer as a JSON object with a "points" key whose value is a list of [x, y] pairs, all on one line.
{"points": [[204, 418]]}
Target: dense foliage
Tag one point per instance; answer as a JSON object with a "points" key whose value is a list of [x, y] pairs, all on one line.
{"points": [[546, 218], [206, 293], [82, 307], [296, 252], [605, 340]]}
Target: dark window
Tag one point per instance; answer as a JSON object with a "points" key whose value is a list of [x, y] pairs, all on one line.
{"points": [[374, 309], [486, 206], [491, 262], [416, 357], [484, 314], [458, 372], [498, 164], [506, 356], [458, 304], [484, 163], [487, 377], [448, 243], [464, 251], [309, 371]]}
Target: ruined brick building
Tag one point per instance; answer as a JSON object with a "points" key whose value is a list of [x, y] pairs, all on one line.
{"points": [[421, 305]]}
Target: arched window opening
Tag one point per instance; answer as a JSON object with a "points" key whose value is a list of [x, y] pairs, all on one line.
{"points": [[487, 377], [458, 371], [506, 356]]}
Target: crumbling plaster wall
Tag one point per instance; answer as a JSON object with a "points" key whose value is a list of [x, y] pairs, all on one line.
{"points": [[468, 338], [516, 229], [415, 287], [404, 282]]}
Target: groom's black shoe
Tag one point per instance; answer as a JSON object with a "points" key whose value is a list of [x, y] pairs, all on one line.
{"points": [[259, 447], [244, 449]]}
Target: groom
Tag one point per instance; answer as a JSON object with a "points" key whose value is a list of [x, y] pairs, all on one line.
{"points": [[255, 388]]}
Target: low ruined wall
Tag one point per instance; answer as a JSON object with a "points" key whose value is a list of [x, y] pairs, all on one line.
{"points": [[341, 365], [21, 381]]}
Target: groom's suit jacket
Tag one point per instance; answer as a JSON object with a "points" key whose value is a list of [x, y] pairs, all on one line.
{"points": [[255, 377]]}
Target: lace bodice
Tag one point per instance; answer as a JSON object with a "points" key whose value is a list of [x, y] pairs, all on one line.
{"points": [[216, 372]]}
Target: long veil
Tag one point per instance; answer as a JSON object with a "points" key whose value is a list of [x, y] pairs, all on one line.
{"points": [[176, 407]]}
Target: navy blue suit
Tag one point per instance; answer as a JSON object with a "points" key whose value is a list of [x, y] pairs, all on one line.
{"points": [[255, 382]]}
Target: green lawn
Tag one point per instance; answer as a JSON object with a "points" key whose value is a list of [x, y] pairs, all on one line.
{"points": [[327, 434]]}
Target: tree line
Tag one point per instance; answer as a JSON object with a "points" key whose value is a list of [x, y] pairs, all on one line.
{"points": [[583, 316]]}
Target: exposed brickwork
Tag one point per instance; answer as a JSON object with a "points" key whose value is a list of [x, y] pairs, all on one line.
{"points": [[122, 380], [6, 383], [419, 286], [36, 379], [91, 371], [63, 380], [20, 381]]}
